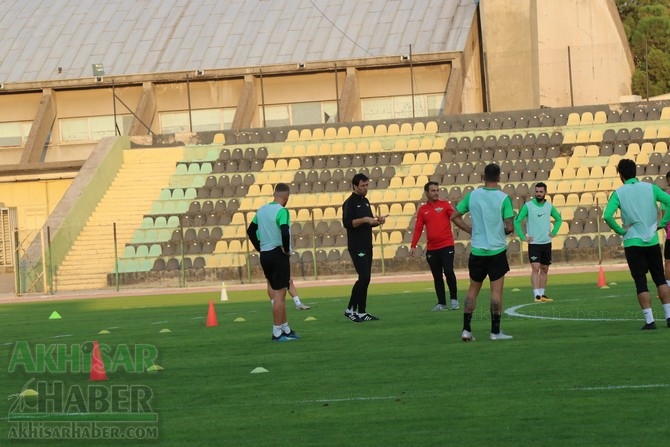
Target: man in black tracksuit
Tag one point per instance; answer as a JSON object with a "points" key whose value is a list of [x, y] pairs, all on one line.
{"points": [[358, 219]]}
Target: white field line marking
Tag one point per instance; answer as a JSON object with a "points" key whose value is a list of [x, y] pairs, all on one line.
{"points": [[345, 399], [198, 318], [7, 344], [159, 322], [621, 387], [62, 336], [38, 416], [512, 311]]}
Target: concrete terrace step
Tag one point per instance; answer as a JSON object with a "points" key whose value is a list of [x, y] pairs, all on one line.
{"points": [[91, 256]]}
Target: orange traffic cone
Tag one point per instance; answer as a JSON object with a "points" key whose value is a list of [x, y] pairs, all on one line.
{"points": [[211, 315], [601, 278], [97, 365]]}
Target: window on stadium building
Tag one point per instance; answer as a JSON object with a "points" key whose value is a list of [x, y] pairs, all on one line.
{"points": [[202, 120], [93, 128], [401, 107], [300, 114], [14, 134]]}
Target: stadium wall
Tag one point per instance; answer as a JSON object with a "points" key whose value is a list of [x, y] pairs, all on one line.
{"points": [[566, 53], [76, 205]]}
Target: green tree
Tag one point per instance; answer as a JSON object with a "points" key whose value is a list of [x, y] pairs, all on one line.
{"points": [[647, 26]]}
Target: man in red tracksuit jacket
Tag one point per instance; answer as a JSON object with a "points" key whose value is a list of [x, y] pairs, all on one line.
{"points": [[435, 214]]}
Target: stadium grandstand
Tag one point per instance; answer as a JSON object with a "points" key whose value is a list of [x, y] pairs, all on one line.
{"points": [[137, 138]]}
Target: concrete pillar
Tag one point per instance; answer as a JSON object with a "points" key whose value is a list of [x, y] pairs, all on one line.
{"points": [[145, 111], [41, 128], [453, 104], [350, 101], [246, 105]]}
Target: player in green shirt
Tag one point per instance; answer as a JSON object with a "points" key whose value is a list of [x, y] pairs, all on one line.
{"points": [[538, 214], [492, 217], [637, 202]]}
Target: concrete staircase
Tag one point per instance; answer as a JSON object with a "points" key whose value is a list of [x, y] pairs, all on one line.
{"points": [[138, 183]]}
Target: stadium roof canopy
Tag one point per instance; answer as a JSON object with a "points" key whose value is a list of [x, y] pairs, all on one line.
{"points": [[132, 37]]}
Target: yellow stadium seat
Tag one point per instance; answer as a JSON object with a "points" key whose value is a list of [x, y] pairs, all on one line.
{"points": [[402, 195], [573, 119], [583, 136], [591, 185], [561, 163], [421, 157], [336, 149], [650, 132], [317, 134], [632, 150], [569, 137], [572, 199], [330, 133], [426, 144], [408, 182], [600, 117], [592, 150], [431, 127], [395, 182], [394, 210], [299, 150], [405, 129], [408, 159], [587, 119], [610, 171], [586, 199], [569, 173], [400, 144], [439, 143], [418, 128], [343, 132], [578, 151], [355, 132], [582, 172], [312, 150], [219, 138], [577, 185], [600, 198], [596, 136], [415, 170], [563, 187], [413, 144], [293, 135], [383, 209], [605, 184], [368, 131], [393, 130], [363, 147], [642, 159], [380, 130], [596, 172], [663, 132], [416, 194], [331, 213], [556, 174], [305, 135], [558, 200]]}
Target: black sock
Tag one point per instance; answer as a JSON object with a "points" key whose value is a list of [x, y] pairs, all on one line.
{"points": [[495, 324], [467, 318]]}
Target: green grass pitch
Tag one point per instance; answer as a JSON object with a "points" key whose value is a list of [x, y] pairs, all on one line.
{"points": [[578, 371]]}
